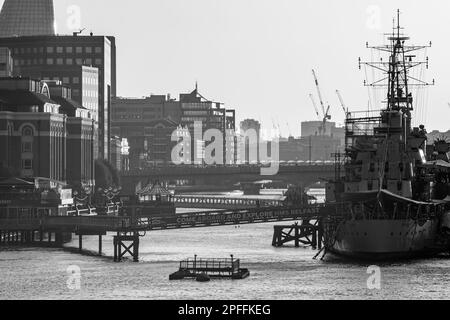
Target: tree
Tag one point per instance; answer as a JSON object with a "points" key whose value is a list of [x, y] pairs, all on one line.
{"points": [[7, 172], [106, 175]]}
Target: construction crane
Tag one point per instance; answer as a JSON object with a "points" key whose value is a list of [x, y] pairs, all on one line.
{"points": [[318, 91], [326, 115], [315, 105], [342, 102], [289, 129]]}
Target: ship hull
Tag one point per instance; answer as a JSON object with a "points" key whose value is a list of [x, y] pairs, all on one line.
{"points": [[384, 239]]}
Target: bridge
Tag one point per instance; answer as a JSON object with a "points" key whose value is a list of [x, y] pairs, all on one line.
{"points": [[226, 177], [130, 228]]}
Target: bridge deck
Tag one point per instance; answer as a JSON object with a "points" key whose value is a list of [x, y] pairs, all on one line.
{"points": [[103, 224]]}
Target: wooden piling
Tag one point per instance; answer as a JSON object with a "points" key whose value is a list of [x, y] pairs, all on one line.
{"points": [[305, 233], [100, 245], [80, 242]]}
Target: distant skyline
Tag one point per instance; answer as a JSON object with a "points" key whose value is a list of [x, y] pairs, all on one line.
{"points": [[256, 55]]}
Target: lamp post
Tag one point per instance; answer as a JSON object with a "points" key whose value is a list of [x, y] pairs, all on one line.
{"points": [[108, 194]]}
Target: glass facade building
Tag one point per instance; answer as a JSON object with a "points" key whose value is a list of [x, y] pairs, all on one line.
{"points": [[27, 18]]}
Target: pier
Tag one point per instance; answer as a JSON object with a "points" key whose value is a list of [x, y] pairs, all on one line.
{"points": [[128, 229], [305, 233]]}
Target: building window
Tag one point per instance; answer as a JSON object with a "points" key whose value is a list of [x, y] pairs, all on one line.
{"points": [[27, 147], [75, 80], [69, 61], [98, 50], [59, 61], [69, 49], [50, 61], [27, 132], [27, 164], [50, 49], [79, 61], [98, 62], [59, 49], [66, 80], [79, 50], [89, 61], [88, 49]]}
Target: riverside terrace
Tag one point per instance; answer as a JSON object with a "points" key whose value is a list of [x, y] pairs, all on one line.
{"points": [[304, 174]]}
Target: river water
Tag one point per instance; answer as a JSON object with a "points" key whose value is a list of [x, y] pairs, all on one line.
{"points": [[276, 273]]}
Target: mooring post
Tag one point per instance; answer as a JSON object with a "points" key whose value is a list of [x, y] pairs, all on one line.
{"points": [[297, 240]]}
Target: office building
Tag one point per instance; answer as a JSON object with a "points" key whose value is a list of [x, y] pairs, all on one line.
{"points": [[85, 63]]}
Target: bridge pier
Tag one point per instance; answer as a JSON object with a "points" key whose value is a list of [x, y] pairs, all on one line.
{"points": [[305, 233], [100, 244], [130, 244], [80, 242]]}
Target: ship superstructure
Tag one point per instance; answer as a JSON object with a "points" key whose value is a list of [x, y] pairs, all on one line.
{"points": [[392, 196]]}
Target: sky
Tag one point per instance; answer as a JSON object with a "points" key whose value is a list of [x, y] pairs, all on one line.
{"points": [[256, 56]]}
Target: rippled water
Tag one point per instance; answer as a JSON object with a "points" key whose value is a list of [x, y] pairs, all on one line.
{"points": [[276, 273]]}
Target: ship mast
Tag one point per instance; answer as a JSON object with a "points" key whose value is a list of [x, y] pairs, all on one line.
{"points": [[397, 71]]}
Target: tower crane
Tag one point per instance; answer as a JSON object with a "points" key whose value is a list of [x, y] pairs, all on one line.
{"points": [[326, 115], [315, 105], [342, 102]]}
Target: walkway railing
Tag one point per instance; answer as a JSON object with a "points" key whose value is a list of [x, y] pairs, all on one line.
{"points": [[214, 202]]}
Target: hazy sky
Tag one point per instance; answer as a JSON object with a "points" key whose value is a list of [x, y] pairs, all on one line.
{"points": [[256, 55]]}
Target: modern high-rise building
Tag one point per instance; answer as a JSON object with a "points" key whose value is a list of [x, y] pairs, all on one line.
{"points": [[27, 18]]}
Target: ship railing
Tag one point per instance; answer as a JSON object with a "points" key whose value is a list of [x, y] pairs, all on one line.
{"points": [[396, 211]]}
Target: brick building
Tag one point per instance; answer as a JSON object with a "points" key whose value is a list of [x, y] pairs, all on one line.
{"points": [[44, 132]]}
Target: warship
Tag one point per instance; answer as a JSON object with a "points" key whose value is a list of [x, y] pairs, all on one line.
{"points": [[390, 197]]}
